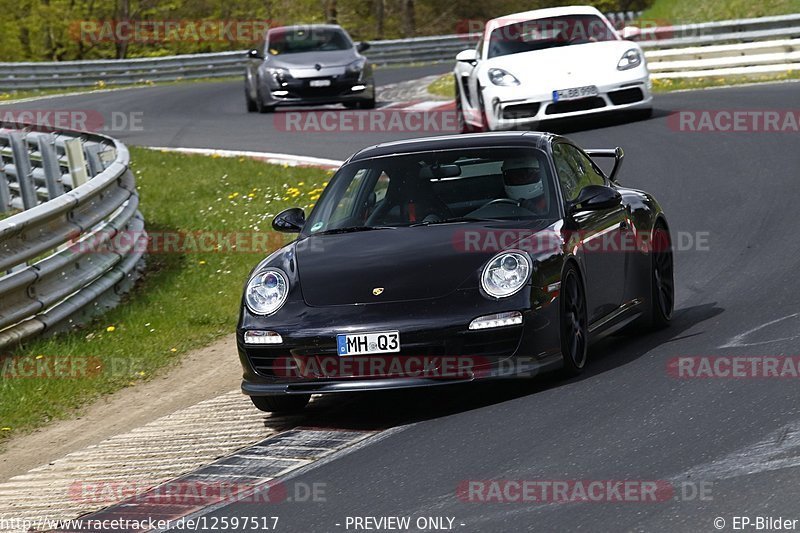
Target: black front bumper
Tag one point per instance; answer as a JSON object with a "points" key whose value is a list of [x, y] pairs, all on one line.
{"points": [[431, 334]]}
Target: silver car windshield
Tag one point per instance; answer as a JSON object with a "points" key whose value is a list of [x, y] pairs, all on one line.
{"points": [[302, 40]]}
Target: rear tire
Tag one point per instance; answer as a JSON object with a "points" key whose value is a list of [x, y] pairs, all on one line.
{"points": [[660, 303], [284, 404], [662, 278], [574, 323]]}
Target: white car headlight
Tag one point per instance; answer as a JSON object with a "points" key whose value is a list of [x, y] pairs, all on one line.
{"points": [[506, 274], [501, 77], [630, 59], [266, 291]]}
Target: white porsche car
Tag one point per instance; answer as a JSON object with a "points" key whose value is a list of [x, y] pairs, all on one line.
{"points": [[546, 64]]}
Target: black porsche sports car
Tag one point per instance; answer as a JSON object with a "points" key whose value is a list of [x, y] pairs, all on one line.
{"points": [[453, 259]]}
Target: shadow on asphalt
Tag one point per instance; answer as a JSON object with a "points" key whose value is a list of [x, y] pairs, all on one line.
{"points": [[565, 126], [385, 409]]}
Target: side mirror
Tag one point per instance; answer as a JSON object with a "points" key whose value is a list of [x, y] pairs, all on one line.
{"points": [[254, 54], [363, 47], [467, 56], [290, 221], [596, 198], [630, 33]]}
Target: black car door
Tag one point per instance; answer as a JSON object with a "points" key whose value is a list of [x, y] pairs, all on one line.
{"points": [[600, 233]]}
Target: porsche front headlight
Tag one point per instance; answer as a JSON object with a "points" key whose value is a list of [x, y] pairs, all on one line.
{"points": [[506, 274], [501, 77], [266, 291], [630, 59]]}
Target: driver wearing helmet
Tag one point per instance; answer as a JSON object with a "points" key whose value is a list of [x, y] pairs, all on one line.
{"points": [[522, 179]]}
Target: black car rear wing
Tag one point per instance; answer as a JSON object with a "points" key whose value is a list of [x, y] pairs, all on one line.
{"points": [[616, 153]]}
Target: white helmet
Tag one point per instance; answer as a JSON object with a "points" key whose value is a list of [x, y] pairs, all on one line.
{"points": [[522, 178]]}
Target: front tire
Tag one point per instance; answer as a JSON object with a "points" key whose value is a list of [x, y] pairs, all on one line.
{"points": [[260, 106], [574, 323], [251, 104], [284, 404]]}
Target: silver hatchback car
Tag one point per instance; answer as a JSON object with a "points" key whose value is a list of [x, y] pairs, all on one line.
{"points": [[309, 65]]}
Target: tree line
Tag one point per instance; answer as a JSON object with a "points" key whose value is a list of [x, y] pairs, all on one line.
{"points": [[61, 30]]}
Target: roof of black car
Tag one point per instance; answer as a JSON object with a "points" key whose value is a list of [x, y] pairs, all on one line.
{"points": [[448, 142]]}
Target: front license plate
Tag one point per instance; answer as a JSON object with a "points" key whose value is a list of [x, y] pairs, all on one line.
{"points": [[575, 93], [320, 83], [368, 343]]}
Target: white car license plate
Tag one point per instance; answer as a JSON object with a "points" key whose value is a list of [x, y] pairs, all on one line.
{"points": [[368, 343], [575, 93], [320, 83]]}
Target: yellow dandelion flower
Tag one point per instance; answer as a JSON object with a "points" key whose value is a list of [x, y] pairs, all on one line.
{"points": [[110, 329]]}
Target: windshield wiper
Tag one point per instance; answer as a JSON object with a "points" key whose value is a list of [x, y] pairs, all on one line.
{"points": [[455, 220], [352, 229]]}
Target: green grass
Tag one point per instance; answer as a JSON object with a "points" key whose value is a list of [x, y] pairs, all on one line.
{"points": [[185, 301], [690, 11], [443, 86], [682, 84]]}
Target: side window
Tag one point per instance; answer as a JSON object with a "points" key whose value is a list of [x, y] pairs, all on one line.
{"points": [[575, 170], [568, 175], [589, 168], [346, 205]]}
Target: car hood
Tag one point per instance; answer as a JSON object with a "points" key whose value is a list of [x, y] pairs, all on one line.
{"points": [[334, 58], [565, 67], [407, 263]]}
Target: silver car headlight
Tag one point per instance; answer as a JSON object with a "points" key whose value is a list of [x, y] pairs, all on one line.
{"points": [[279, 74], [630, 59], [356, 66], [501, 77], [266, 291], [506, 274]]}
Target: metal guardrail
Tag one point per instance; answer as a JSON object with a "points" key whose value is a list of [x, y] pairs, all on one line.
{"points": [[70, 187], [20, 76]]}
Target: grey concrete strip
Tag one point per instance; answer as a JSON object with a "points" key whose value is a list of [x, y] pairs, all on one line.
{"points": [[134, 462]]}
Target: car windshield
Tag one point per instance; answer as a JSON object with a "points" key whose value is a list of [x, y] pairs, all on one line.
{"points": [[441, 187], [299, 40], [540, 34]]}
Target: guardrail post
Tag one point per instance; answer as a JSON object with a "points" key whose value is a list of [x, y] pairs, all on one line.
{"points": [[22, 162], [76, 162], [93, 158], [52, 170], [5, 193]]}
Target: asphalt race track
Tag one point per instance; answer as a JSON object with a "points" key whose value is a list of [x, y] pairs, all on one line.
{"points": [[626, 418]]}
